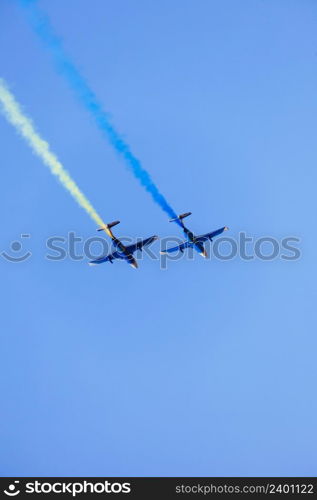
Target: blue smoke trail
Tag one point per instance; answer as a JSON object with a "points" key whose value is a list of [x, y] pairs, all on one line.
{"points": [[87, 97]]}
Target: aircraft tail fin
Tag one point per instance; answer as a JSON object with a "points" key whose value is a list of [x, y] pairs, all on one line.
{"points": [[180, 217], [108, 226]]}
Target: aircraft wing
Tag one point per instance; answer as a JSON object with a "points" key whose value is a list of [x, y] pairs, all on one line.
{"points": [[108, 258], [209, 236], [140, 244], [186, 244]]}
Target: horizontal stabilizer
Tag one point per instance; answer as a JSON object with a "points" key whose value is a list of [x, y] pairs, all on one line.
{"points": [[108, 226], [180, 217]]}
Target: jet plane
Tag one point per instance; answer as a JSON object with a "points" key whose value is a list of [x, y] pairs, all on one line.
{"points": [[122, 251], [193, 241]]}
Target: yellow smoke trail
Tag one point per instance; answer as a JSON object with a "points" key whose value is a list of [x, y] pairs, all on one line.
{"points": [[12, 111]]}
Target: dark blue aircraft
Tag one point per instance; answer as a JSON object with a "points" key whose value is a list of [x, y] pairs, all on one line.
{"points": [[193, 241], [121, 252]]}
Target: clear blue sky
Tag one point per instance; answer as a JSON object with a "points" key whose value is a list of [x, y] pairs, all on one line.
{"points": [[208, 368]]}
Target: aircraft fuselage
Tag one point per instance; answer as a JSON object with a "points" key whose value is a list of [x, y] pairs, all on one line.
{"points": [[123, 252], [192, 238]]}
